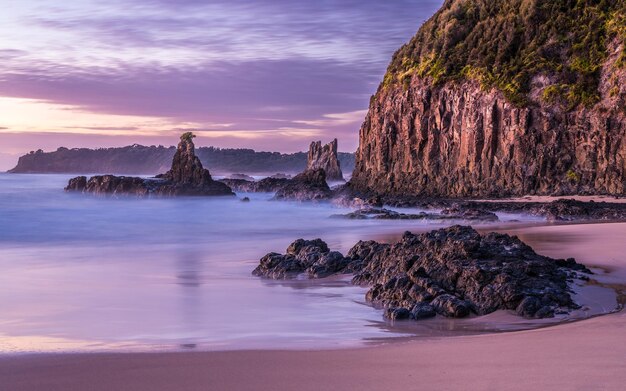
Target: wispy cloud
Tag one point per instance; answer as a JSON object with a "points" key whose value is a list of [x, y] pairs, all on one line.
{"points": [[103, 128]]}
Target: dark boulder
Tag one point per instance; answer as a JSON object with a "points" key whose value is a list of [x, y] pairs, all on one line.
{"points": [[311, 257], [422, 310]]}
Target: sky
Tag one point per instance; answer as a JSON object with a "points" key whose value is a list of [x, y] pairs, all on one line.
{"points": [[262, 74]]}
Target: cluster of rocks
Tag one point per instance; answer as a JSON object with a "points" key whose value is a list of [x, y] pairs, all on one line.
{"points": [[446, 214], [453, 272], [310, 257], [186, 177], [309, 185], [557, 210]]}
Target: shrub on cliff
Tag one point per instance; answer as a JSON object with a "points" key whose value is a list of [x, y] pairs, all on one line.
{"points": [[504, 43]]}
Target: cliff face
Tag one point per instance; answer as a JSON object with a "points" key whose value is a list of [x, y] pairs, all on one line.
{"points": [[325, 157], [434, 132]]}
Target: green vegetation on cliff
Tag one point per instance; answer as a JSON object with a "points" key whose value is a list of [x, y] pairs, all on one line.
{"points": [[504, 43]]}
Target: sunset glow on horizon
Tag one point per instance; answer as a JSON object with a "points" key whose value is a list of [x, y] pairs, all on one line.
{"points": [[267, 75]]}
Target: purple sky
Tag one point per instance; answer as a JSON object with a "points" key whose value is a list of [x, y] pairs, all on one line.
{"points": [[270, 75]]}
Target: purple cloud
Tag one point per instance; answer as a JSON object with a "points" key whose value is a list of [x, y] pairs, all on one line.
{"points": [[254, 94], [254, 65]]}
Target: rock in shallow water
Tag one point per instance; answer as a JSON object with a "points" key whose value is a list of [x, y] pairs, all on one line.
{"points": [[452, 272], [186, 177], [446, 214], [311, 257], [308, 186]]}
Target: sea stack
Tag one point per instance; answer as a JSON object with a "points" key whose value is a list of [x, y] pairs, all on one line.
{"points": [[325, 157], [187, 177], [500, 98]]}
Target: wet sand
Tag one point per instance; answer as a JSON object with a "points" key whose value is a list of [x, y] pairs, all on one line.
{"points": [[585, 355]]}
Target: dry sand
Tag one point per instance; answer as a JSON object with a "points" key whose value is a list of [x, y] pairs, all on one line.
{"points": [[586, 355]]}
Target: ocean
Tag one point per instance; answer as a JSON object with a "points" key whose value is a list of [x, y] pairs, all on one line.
{"points": [[88, 273]]}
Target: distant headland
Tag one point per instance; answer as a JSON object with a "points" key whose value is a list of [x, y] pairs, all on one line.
{"points": [[148, 160]]}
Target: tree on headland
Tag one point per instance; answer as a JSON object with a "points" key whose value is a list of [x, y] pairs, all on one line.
{"points": [[187, 136]]}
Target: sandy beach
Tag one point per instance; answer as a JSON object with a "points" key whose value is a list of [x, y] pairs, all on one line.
{"points": [[585, 355]]}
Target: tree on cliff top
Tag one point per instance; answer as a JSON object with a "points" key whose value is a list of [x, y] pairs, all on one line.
{"points": [[187, 136], [504, 43]]}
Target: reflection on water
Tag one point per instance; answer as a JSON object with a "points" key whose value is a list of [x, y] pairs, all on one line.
{"points": [[88, 273]]}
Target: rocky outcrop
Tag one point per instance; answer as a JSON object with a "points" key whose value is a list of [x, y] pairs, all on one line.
{"points": [[187, 177], [325, 157], [441, 124], [310, 185], [452, 272]]}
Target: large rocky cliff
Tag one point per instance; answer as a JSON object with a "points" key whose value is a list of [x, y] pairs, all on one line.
{"points": [[462, 113]]}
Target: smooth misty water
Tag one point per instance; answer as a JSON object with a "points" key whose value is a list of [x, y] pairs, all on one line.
{"points": [[90, 273]]}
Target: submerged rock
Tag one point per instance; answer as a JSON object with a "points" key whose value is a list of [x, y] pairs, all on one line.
{"points": [[325, 157], [453, 272], [380, 214], [464, 213], [187, 177], [570, 210], [446, 214], [241, 176], [308, 186], [265, 185]]}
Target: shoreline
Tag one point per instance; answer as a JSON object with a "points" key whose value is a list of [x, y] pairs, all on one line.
{"points": [[543, 358], [584, 354]]}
